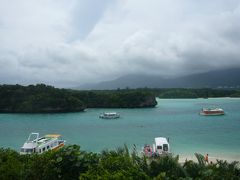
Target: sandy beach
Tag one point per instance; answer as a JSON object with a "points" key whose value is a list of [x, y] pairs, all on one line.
{"points": [[213, 158]]}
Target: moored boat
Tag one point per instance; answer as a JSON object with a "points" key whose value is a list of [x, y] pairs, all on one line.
{"points": [[212, 112], [36, 144], [109, 115], [160, 147]]}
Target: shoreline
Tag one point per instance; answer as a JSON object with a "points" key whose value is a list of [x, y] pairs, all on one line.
{"points": [[199, 98], [213, 158]]}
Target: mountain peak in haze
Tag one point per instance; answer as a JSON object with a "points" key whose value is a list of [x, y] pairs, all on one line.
{"points": [[211, 79]]}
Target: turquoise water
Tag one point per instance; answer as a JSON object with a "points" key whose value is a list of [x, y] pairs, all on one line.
{"points": [[177, 119]]}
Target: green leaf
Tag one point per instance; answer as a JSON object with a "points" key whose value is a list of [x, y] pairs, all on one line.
{"points": [[59, 159]]}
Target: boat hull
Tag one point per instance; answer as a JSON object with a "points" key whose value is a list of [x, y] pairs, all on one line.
{"points": [[212, 114], [58, 147], [103, 117]]}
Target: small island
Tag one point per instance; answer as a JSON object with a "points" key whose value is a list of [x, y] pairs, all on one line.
{"points": [[41, 98]]}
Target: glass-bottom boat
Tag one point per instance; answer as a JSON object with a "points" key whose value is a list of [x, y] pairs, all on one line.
{"points": [[109, 115], [160, 147], [212, 112], [36, 144]]}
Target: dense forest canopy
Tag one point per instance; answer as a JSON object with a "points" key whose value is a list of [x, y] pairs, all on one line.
{"points": [[39, 98], [195, 93], [43, 98]]}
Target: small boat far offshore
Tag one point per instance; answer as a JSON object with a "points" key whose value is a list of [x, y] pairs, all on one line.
{"points": [[109, 115], [36, 144], [212, 112]]}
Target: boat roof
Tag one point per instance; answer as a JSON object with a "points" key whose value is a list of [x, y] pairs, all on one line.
{"points": [[40, 141], [212, 109], [161, 140], [110, 112], [47, 138], [29, 145], [52, 135]]}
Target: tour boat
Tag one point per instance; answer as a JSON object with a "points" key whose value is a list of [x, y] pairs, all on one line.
{"points": [[109, 115], [211, 111], [36, 144], [160, 147]]}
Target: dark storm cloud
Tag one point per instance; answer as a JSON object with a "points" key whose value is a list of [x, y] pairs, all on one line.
{"points": [[67, 43]]}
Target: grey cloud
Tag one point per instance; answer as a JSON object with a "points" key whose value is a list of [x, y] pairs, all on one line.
{"points": [[86, 14], [87, 41]]}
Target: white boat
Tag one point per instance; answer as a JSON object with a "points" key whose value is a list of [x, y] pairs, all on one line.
{"points": [[36, 144], [212, 111], [109, 115], [160, 147]]}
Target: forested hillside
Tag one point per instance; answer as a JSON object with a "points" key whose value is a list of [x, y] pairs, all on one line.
{"points": [[44, 99]]}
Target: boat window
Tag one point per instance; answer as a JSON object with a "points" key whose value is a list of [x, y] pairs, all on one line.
{"points": [[40, 151], [47, 147], [159, 147], [28, 150], [43, 149], [165, 147]]}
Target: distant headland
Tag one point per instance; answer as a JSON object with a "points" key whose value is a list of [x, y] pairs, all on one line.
{"points": [[42, 98]]}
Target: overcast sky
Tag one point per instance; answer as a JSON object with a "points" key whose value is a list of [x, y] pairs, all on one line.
{"points": [[71, 42]]}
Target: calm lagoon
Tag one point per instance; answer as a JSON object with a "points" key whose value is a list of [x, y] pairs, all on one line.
{"points": [[177, 119]]}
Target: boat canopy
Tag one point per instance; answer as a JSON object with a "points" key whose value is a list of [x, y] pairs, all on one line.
{"points": [[110, 113], [160, 140], [52, 135]]}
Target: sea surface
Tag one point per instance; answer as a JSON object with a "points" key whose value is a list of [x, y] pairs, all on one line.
{"points": [[177, 119]]}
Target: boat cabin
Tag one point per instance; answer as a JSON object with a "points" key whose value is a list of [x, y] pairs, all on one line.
{"points": [[161, 145]]}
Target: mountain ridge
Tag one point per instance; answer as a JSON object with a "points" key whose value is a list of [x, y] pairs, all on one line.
{"points": [[212, 79]]}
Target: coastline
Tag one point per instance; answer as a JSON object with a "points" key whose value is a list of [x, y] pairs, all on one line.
{"points": [[213, 158], [177, 119], [198, 98]]}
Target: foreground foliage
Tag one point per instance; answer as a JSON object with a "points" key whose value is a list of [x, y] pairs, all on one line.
{"points": [[72, 163]]}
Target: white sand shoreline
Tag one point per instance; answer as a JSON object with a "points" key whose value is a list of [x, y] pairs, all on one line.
{"points": [[183, 158]]}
